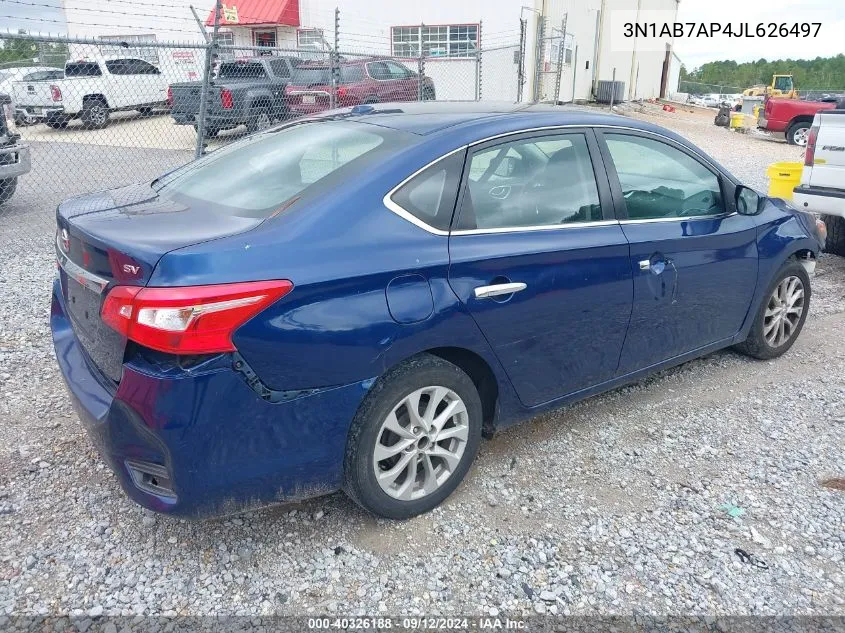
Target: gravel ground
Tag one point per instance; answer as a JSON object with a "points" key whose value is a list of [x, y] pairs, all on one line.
{"points": [[632, 502]]}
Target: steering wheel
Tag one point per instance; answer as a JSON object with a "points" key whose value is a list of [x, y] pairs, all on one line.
{"points": [[699, 203]]}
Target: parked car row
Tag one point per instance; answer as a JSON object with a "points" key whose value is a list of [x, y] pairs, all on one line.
{"points": [[252, 91], [256, 91]]}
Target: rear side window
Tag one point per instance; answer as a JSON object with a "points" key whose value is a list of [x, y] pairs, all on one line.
{"points": [[255, 176], [430, 195], [351, 74], [237, 70], [660, 181], [311, 76], [83, 69]]}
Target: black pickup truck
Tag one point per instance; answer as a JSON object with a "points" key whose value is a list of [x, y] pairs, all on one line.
{"points": [[247, 92], [14, 157]]}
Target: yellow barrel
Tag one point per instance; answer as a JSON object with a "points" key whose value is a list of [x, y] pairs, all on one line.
{"points": [[757, 109], [737, 119], [783, 178]]}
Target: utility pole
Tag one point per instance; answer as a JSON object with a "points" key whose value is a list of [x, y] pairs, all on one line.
{"points": [[209, 52]]}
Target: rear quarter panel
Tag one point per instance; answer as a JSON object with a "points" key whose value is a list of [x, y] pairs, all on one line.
{"points": [[341, 253]]}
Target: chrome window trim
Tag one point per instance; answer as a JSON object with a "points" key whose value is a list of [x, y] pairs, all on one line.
{"points": [[681, 218], [538, 227], [401, 212], [84, 277]]}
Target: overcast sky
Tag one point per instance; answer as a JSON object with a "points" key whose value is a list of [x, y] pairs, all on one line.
{"points": [[830, 41]]}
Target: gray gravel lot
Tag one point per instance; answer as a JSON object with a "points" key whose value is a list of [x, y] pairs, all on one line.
{"points": [[619, 504]]}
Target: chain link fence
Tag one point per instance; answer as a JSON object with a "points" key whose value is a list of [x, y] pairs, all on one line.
{"points": [[96, 114]]}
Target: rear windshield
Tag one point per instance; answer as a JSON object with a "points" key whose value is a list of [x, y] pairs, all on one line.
{"points": [[241, 71], [256, 176], [83, 69], [313, 76]]}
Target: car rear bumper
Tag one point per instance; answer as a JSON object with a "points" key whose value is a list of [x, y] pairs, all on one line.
{"points": [[14, 161], [819, 200], [199, 442], [219, 122]]}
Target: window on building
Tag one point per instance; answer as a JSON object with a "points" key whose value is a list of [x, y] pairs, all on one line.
{"points": [[459, 40], [135, 47], [265, 38], [310, 38], [226, 39]]}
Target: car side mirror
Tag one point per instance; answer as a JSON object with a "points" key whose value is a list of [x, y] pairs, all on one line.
{"points": [[748, 201]]}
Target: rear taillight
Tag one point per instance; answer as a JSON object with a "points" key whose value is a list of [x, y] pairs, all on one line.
{"points": [[169, 97], [55, 93], [810, 153], [341, 93], [190, 319], [226, 100], [767, 106]]}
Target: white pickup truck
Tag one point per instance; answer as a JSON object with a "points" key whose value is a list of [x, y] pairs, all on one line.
{"points": [[91, 89], [822, 188]]}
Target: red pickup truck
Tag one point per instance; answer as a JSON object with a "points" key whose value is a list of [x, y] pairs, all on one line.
{"points": [[792, 117]]}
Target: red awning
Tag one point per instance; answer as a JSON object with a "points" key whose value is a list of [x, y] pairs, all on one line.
{"points": [[255, 12]]}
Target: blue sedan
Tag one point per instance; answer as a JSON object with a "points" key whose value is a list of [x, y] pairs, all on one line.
{"points": [[352, 301]]}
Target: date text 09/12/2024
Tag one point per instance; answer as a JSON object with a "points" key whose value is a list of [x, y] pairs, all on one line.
{"points": [[713, 29]]}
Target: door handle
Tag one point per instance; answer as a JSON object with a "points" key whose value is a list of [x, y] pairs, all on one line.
{"points": [[483, 292]]}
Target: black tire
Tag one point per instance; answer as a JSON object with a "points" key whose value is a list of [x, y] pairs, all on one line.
{"points": [[756, 344], [835, 243], [56, 124], [7, 188], [419, 372], [371, 99], [428, 94], [95, 114], [259, 119], [800, 127]]}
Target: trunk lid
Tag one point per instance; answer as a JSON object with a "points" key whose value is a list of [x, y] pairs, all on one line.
{"points": [[186, 97], [116, 238], [34, 94]]}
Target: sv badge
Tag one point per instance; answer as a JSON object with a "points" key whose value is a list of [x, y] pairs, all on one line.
{"points": [[132, 270]]}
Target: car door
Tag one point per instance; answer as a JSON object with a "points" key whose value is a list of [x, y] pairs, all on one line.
{"points": [[694, 260], [404, 84], [382, 84], [544, 270]]}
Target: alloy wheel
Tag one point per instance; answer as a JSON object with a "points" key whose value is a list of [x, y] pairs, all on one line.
{"points": [[420, 443], [784, 311], [262, 121], [98, 114], [800, 136]]}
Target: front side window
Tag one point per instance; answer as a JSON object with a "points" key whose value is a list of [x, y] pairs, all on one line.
{"points": [[254, 177], [660, 181], [531, 182]]}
